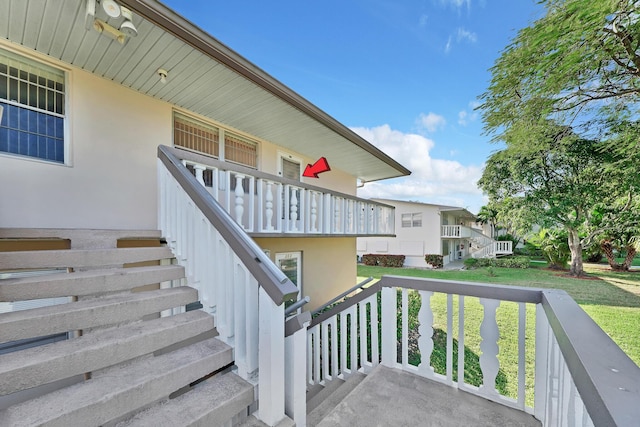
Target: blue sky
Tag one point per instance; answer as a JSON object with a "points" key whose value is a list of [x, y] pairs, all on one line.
{"points": [[404, 74]]}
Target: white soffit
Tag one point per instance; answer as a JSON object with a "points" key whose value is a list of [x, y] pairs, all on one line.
{"points": [[201, 78]]}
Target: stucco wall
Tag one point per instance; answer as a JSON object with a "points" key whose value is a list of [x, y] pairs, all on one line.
{"points": [[413, 242], [328, 264], [336, 180], [110, 178], [110, 181]]}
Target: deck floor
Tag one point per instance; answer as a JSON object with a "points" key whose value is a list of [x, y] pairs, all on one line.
{"points": [[392, 397]]}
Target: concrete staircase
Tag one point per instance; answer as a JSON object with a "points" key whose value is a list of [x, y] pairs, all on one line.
{"points": [[322, 399], [131, 356]]}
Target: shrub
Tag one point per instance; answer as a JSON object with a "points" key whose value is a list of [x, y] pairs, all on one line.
{"points": [[435, 260], [370, 259], [383, 260], [592, 253], [505, 262], [471, 262]]}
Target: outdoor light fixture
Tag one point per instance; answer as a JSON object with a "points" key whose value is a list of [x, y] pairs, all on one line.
{"points": [[102, 19], [127, 26], [163, 75], [111, 8]]}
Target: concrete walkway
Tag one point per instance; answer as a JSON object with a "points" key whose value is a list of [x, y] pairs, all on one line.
{"points": [[454, 265], [392, 397]]}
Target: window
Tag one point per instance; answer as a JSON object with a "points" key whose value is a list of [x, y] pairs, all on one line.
{"points": [[195, 135], [32, 101], [290, 169], [411, 220], [291, 265], [200, 136], [240, 150]]}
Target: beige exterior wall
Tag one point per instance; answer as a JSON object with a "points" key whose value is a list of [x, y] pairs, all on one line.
{"points": [[110, 177], [335, 180], [328, 264]]}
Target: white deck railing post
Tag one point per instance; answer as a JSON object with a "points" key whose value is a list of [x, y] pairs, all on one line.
{"points": [[271, 360], [295, 406], [542, 364], [389, 328]]}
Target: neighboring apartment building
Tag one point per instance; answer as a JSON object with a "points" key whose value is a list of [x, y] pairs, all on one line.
{"points": [[85, 100], [424, 228]]}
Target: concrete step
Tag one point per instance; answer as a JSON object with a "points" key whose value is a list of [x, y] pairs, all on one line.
{"points": [[101, 311], [211, 403], [252, 421], [121, 390], [41, 365], [79, 258], [317, 396], [324, 408], [86, 282]]}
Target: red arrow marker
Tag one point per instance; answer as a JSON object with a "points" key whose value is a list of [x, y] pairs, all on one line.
{"points": [[321, 165]]}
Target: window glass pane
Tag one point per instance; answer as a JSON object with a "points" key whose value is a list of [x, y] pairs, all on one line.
{"points": [[240, 150], [32, 124], [3, 86], [406, 220], [417, 220], [290, 170], [195, 135]]}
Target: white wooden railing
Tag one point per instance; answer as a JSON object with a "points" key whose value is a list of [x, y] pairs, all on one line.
{"points": [[578, 379], [236, 282], [455, 231], [267, 204]]}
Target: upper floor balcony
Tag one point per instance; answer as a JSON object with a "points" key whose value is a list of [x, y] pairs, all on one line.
{"points": [[267, 205], [455, 232]]}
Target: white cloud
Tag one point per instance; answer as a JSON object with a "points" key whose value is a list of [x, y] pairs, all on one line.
{"points": [[432, 180], [431, 122], [447, 47], [462, 118], [466, 35], [465, 117], [457, 4], [423, 20]]}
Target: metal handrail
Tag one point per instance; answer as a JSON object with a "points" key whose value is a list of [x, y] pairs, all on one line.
{"points": [[277, 285], [342, 295], [296, 305]]}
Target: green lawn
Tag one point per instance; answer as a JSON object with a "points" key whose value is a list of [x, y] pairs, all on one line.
{"points": [[612, 299]]}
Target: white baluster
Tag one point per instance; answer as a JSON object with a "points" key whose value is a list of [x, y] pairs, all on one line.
{"points": [[199, 173], [293, 214], [336, 213], [425, 341], [239, 203], [314, 212], [269, 205], [490, 334]]}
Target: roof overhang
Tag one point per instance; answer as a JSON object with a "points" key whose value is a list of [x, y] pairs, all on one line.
{"points": [[204, 76]]}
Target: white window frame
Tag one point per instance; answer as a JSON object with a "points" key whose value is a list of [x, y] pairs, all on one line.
{"points": [[281, 256], [68, 114], [290, 157]]}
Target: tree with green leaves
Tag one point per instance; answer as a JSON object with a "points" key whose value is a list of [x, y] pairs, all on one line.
{"points": [[569, 79], [579, 62], [488, 215], [616, 228], [556, 176]]}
